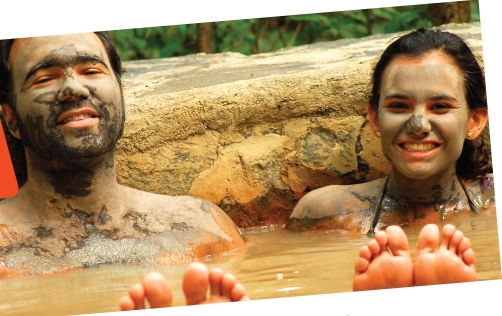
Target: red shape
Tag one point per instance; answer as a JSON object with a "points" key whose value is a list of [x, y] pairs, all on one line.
{"points": [[8, 181]]}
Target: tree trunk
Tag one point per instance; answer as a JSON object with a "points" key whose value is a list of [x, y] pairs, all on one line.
{"points": [[450, 12], [368, 21], [204, 37]]}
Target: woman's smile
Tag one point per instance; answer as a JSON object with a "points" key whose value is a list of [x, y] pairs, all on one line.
{"points": [[421, 147], [418, 150]]}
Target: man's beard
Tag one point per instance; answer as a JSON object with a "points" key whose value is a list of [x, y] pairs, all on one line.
{"points": [[47, 141]]}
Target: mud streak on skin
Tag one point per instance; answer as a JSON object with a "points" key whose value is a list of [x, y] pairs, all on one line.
{"points": [[414, 123]]}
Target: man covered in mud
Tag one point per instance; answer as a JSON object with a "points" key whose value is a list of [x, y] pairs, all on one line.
{"points": [[61, 96]]}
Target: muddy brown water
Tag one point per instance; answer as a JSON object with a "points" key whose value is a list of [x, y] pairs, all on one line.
{"points": [[272, 264]]}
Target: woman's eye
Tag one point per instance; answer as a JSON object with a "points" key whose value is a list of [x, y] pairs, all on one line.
{"points": [[397, 106], [441, 107]]}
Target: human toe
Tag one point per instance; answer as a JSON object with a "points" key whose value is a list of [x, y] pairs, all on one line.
{"points": [[195, 283], [157, 290], [428, 239], [397, 241]]}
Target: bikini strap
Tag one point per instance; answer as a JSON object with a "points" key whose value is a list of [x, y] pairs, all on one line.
{"points": [[472, 205], [376, 215]]}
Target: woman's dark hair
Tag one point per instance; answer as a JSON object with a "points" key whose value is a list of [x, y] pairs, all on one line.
{"points": [[475, 159], [15, 146]]}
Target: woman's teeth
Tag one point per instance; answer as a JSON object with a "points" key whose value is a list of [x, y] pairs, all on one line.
{"points": [[419, 147]]}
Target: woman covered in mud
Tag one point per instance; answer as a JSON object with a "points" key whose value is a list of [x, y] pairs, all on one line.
{"points": [[428, 106]]}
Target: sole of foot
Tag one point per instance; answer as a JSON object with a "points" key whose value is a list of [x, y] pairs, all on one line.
{"points": [[448, 258], [384, 262]]}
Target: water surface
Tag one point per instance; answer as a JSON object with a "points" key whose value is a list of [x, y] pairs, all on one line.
{"points": [[272, 264]]}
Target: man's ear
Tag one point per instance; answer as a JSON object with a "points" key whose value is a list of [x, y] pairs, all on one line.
{"points": [[477, 122], [373, 117], [10, 119]]}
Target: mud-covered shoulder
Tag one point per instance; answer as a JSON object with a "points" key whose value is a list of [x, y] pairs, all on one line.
{"points": [[335, 199], [200, 222], [337, 207]]}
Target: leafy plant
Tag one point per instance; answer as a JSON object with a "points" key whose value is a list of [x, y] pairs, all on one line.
{"points": [[262, 35]]}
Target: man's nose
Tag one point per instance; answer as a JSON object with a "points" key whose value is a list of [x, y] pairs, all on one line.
{"points": [[72, 90]]}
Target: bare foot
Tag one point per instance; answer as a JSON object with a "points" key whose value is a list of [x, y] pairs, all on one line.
{"points": [[197, 279], [154, 287], [223, 286], [379, 268], [452, 262]]}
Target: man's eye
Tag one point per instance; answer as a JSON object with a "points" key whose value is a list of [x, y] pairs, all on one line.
{"points": [[92, 71], [42, 80]]}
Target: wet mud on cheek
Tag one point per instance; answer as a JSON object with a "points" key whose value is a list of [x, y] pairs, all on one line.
{"points": [[35, 137], [91, 89], [48, 98]]}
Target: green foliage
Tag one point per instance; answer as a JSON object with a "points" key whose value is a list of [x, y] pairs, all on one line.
{"points": [[400, 19], [262, 35], [155, 42], [475, 11]]}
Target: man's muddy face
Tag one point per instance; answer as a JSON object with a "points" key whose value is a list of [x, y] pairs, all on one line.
{"points": [[68, 101], [423, 114]]}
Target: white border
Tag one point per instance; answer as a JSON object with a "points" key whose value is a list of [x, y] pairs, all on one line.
{"points": [[21, 19], [450, 299]]}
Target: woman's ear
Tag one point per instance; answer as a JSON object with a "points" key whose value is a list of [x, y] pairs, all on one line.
{"points": [[477, 122], [10, 119], [373, 117]]}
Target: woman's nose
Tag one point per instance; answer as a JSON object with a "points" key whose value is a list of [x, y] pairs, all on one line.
{"points": [[418, 124]]}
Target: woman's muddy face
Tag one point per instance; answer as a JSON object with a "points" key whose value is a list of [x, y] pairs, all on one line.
{"points": [[68, 101], [423, 114]]}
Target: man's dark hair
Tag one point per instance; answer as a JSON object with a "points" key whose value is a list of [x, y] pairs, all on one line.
{"points": [[475, 159], [6, 92]]}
